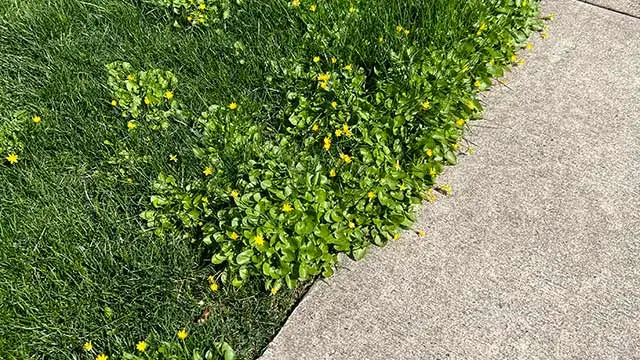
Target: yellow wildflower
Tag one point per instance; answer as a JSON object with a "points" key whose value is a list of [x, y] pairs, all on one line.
{"points": [[324, 77], [333, 60], [189, 18], [182, 334], [274, 290], [327, 143], [421, 233], [399, 28], [352, 9], [430, 196], [114, 103], [147, 101], [371, 195], [332, 172], [429, 152], [346, 158], [397, 165], [88, 346], [173, 157], [213, 286], [168, 95], [455, 146], [338, 133], [460, 122], [470, 104], [202, 6], [433, 172], [514, 58], [315, 127], [481, 28], [234, 236], [346, 130], [347, 67], [426, 105], [406, 31], [207, 171], [12, 158], [36, 119], [233, 105], [316, 59], [544, 35], [201, 19], [235, 194], [396, 236], [142, 346], [313, 7], [477, 83], [521, 62], [295, 3], [470, 151], [351, 224], [446, 188], [259, 240], [131, 125], [380, 40], [529, 46], [286, 207], [102, 357], [131, 77], [324, 85], [334, 104]]}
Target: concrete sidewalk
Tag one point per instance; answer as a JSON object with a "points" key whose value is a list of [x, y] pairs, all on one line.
{"points": [[537, 253]]}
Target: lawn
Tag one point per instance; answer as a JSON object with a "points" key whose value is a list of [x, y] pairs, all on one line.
{"points": [[78, 262]]}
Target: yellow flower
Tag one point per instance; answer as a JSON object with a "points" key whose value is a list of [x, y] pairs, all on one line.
{"points": [[12, 158], [234, 236], [521, 62], [338, 133], [429, 152], [295, 3], [259, 240], [324, 77], [421, 233], [470, 151], [544, 35], [327, 143], [131, 125], [333, 60], [406, 31], [481, 28], [352, 9], [189, 18], [316, 59], [332, 172], [114, 103], [334, 104], [142, 346], [380, 40], [396, 236], [315, 127], [514, 58], [470, 104], [213, 286], [36, 119], [347, 67], [460, 122], [146, 100], [168, 95], [286, 207], [430, 196], [208, 171], [274, 290], [324, 85], [433, 172], [233, 106], [202, 6], [351, 224], [399, 28], [477, 83], [403, 187], [446, 188], [173, 157], [235, 194], [182, 334], [346, 130], [426, 105], [312, 7], [131, 77], [397, 165], [201, 19], [455, 146], [88, 346], [371, 195], [102, 357], [345, 158], [529, 46]]}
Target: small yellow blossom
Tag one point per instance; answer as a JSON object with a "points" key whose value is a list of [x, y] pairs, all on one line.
{"points": [[324, 85], [259, 240], [396, 236], [529, 46], [114, 103], [201, 19], [477, 83], [521, 62], [352, 9], [234, 236], [338, 132], [332, 172], [131, 125], [182, 334], [36, 119], [315, 127], [399, 28], [233, 105], [12, 158], [334, 104], [397, 165], [514, 58], [235, 194], [429, 152], [430, 196], [213, 286], [88, 346], [470, 104], [168, 95], [324, 77], [313, 7], [142, 346], [274, 290], [426, 105], [380, 40], [202, 6], [371, 195], [327, 143], [347, 67], [207, 171], [102, 357], [406, 31], [403, 187], [316, 59], [351, 224], [189, 18], [295, 3], [544, 35], [147, 101], [346, 130], [173, 157], [455, 146], [421, 233], [447, 189], [286, 207], [481, 28], [460, 122], [346, 158], [131, 77], [470, 151], [433, 172], [334, 60]]}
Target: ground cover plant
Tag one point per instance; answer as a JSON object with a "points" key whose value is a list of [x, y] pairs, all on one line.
{"points": [[175, 171]]}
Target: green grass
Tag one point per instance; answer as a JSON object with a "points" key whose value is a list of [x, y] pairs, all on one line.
{"points": [[75, 262]]}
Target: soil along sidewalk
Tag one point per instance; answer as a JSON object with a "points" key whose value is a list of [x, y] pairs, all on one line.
{"points": [[536, 255]]}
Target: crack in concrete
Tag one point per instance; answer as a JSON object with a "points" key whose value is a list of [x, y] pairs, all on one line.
{"points": [[608, 8]]}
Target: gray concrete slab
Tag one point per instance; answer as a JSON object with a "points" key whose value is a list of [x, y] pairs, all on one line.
{"points": [[537, 253], [631, 7]]}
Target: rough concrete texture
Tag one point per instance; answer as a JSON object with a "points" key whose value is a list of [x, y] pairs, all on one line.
{"points": [[537, 253], [631, 7]]}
